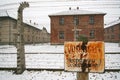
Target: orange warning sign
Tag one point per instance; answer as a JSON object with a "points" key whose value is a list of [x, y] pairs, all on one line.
{"points": [[84, 57]]}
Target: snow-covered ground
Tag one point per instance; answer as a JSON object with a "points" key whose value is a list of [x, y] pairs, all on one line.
{"points": [[47, 56], [47, 48], [56, 75], [38, 48], [51, 61], [38, 75]]}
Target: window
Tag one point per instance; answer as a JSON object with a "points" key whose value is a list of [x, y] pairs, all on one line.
{"points": [[107, 30], [119, 36], [61, 21], [92, 34], [112, 36], [91, 19], [112, 29], [76, 20], [61, 35]]}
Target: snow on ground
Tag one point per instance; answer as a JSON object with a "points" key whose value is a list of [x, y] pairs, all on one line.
{"points": [[41, 56], [112, 48], [51, 61], [37, 48], [47, 48], [55, 75], [38, 75], [105, 76]]}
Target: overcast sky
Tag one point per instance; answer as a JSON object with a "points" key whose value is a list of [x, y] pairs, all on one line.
{"points": [[40, 9]]}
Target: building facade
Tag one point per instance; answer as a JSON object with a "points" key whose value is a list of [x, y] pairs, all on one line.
{"points": [[8, 29], [89, 24], [112, 31]]}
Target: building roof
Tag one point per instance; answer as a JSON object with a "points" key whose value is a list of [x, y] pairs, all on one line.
{"points": [[76, 12], [112, 23], [6, 13], [3, 13]]}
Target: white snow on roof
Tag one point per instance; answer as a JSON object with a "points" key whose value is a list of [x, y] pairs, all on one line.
{"points": [[7, 13], [112, 23], [75, 12], [3, 13]]}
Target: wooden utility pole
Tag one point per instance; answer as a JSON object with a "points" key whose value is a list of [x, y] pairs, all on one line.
{"points": [[80, 75], [20, 39]]}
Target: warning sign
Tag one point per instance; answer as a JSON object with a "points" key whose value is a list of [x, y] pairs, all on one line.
{"points": [[84, 57]]}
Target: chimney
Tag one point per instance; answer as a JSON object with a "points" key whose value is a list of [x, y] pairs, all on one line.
{"points": [[34, 23], [77, 8], [30, 21], [69, 8]]}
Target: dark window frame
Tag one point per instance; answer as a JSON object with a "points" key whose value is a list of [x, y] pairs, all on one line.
{"points": [[91, 20], [76, 20], [112, 29], [119, 35], [61, 35], [92, 34], [61, 21], [112, 36]]}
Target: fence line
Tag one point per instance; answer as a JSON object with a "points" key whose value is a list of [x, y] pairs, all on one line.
{"points": [[51, 61]]}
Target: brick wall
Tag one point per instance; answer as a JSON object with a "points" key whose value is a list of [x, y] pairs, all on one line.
{"points": [[83, 24], [112, 33]]}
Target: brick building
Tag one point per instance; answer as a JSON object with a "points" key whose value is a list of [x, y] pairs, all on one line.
{"points": [[8, 29], [112, 31], [90, 23]]}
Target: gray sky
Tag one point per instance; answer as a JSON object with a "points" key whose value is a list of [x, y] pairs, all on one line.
{"points": [[40, 9]]}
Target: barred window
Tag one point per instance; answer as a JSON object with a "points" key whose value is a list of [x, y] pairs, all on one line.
{"points": [[61, 34], [119, 36], [92, 33], [112, 29], [112, 36], [61, 21], [91, 19], [76, 20]]}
